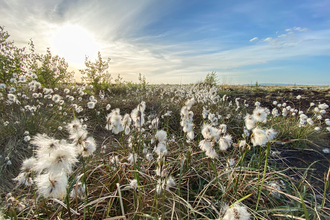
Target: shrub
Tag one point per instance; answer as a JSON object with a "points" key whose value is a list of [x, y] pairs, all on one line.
{"points": [[96, 72], [211, 79]]}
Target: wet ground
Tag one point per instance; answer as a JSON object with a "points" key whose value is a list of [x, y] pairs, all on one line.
{"points": [[311, 157]]}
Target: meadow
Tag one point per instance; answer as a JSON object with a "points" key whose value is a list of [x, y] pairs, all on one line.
{"points": [[121, 150]]}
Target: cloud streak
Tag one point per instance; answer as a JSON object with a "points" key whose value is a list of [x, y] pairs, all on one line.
{"points": [[253, 39]]}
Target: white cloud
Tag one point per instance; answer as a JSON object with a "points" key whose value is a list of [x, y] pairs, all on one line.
{"points": [[268, 39], [295, 29], [283, 35], [300, 29], [253, 39]]}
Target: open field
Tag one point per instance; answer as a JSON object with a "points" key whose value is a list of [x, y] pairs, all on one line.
{"points": [[140, 151]]}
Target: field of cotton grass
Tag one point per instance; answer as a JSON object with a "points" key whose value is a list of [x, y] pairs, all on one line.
{"points": [[154, 152], [137, 151]]}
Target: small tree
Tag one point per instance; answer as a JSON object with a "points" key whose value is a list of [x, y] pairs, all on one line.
{"points": [[211, 79], [96, 72], [51, 70]]}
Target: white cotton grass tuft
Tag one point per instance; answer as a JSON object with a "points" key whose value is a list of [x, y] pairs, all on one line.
{"points": [[137, 115], [127, 120], [190, 103], [114, 121], [133, 184], [209, 132], [205, 145], [310, 121], [237, 212], [250, 122], [160, 149], [326, 150], [212, 135], [242, 144], [88, 147], [91, 105], [24, 178], [231, 162], [116, 124], [191, 135], [170, 183], [78, 137], [211, 153], [27, 167], [74, 126], [223, 129], [52, 186], [160, 186], [323, 106], [27, 138], [225, 142], [78, 134], [45, 145], [275, 190], [56, 98], [259, 114], [259, 137], [271, 134], [187, 119], [61, 159], [132, 158], [187, 126], [28, 164], [161, 135], [78, 190]]}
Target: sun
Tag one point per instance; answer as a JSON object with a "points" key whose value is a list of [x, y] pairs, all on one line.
{"points": [[74, 43]]}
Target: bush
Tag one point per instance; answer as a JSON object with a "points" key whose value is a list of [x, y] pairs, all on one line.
{"points": [[50, 70], [15, 62], [211, 79]]}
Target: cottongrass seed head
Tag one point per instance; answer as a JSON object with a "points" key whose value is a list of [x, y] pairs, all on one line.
{"points": [[237, 212], [52, 186], [259, 137]]}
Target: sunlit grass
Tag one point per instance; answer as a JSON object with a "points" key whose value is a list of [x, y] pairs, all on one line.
{"points": [[138, 151], [203, 187]]}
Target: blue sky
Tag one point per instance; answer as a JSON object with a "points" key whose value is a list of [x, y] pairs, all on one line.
{"points": [[177, 41]]}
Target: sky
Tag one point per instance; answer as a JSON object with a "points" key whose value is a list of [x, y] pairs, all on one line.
{"points": [[181, 41]]}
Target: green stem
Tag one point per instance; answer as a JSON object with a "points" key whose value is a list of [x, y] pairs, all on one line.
{"points": [[240, 170], [68, 204], [86, 189], [264, 175]]}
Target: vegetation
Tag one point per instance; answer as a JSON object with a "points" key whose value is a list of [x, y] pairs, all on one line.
{"points": [[139, 151], [211, 79], [96, 73]]}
